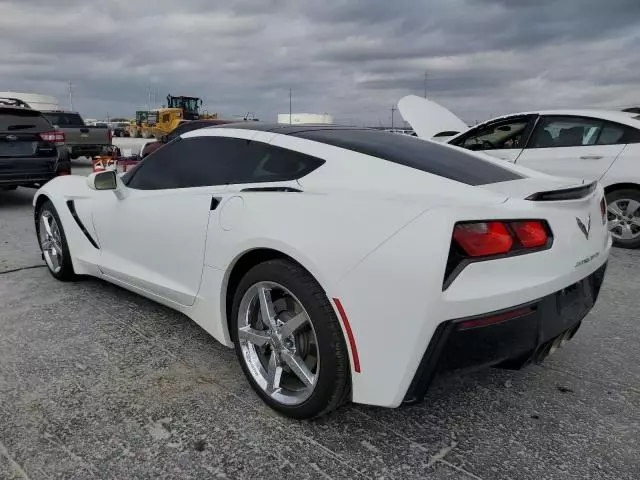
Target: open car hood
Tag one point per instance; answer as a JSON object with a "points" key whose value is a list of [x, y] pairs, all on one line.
{"points": [[428, 118]]}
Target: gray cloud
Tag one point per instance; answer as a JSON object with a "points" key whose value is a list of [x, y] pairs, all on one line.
{"points": [[352, 58]]}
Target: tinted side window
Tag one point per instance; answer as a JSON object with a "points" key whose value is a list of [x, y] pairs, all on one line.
{"points": [[632, 135], [155, 171], [504, 134], [552, 132], [611, 134], [208, 161]]}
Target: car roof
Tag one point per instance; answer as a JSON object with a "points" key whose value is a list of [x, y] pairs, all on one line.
{"points": [[626, 118], [285, 129]]}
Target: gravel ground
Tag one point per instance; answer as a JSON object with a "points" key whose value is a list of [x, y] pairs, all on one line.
{"points": [[96, 382]]}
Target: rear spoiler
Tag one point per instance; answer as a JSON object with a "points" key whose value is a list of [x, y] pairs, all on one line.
{"points": [[573, 193]]}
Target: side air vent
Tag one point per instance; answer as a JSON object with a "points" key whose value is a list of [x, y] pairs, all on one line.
{"points": [[74, 214]]}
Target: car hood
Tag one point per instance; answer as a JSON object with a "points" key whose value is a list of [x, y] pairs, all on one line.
{"points": [[428, 118]]}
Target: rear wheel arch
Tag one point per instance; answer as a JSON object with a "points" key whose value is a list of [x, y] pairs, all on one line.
{"points": [[621, 186], [241, 266], [266, 265]]}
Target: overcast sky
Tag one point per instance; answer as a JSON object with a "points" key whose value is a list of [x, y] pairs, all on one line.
{"points": [[351, 58]]}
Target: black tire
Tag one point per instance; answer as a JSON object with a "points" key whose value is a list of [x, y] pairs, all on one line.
{"points": [[332, 388], [624, 194], [66, 272]]}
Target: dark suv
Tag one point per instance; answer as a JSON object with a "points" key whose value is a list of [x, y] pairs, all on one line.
{"points": [[31, 151]]}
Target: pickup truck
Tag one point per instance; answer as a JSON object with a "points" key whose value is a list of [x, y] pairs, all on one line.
{"points": [[81, 140]]}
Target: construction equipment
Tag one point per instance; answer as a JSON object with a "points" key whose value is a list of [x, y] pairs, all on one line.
{"points": [[136, 126], [162, 121]]}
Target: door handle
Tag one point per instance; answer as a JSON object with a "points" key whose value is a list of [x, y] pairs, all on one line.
{"points": [[591, 157]]}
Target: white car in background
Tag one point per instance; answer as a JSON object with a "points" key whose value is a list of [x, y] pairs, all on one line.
{"points": [[589, 144], [342, 263]]}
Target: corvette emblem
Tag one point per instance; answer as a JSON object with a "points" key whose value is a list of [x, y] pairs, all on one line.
{"points": [[11, 138], [584, 228]]}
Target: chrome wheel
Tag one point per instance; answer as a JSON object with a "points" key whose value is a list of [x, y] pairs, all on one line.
{"points": [[278, 343], [623, 216], [50, 241]]}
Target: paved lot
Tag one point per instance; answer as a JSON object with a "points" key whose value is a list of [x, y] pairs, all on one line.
{"points": [[96, 382]]}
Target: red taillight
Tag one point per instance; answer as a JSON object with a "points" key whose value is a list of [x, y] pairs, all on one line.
{"points": [[483, 238], [530, 233], [603, 210], [56, 137]]}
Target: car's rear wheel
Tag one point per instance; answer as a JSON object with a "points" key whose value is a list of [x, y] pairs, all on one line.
{"points": [[53, 242], [288, 340], [623, 215]]}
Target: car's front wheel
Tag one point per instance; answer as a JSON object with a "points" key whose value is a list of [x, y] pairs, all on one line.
{"points": [[53, 242], [289, 341], [623, 215]]}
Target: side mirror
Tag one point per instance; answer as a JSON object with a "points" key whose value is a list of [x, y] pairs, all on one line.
{"points": [[164, 139], [102, 180], [107, 180]]}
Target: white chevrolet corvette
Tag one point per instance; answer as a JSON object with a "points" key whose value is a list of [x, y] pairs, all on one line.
{"points": [[342, 263]]}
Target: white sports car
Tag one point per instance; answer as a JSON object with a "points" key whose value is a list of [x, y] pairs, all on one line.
{"points": [[597, 145], [342, 263]]}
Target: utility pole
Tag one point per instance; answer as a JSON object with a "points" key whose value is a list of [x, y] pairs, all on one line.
{"points": [[393, 109], [70, 96], [425, 84], [289, 106], [148, 98]]}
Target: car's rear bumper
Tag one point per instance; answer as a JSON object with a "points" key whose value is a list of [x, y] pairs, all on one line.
{"points": [[18, 172], [86, 150], [511, 337]]}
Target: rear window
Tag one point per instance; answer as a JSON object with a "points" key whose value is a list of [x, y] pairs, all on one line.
{"points": [[23, 121], [430, 157], [63, 120]]}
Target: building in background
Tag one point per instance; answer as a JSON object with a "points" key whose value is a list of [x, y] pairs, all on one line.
{"points": [[304, 118]]}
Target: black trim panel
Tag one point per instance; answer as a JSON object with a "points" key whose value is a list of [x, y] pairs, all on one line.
{"points": [[271, 189], [215, 201], [511, 343], [74, 214], [573, 193]]}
